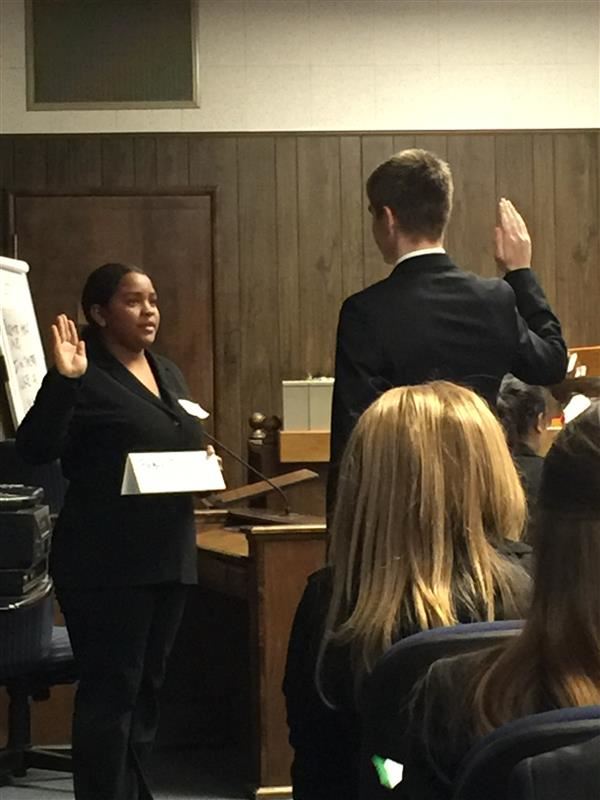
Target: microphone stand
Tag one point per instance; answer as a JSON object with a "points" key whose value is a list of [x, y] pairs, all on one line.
{"points": [[244, 463]]}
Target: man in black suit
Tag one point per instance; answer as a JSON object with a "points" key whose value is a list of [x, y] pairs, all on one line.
{"points": [[430, 320]]}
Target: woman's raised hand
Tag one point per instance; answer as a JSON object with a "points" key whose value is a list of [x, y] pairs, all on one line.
{"points": [[69, 350]]}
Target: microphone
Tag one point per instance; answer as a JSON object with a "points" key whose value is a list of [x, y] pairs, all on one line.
{"points": [[244, 463]]}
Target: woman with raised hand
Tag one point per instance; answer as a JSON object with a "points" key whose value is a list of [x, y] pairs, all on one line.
{"points": [[120, 564], [424, 534], [555, 661]]}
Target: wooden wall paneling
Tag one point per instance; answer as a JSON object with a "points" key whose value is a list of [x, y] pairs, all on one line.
{"points": [[30, 170], [259, 294], [319, 225], [404, 141], [434, 143], [514, 171], [596, 328], [543, 229], [7, 164], [74, 161], [471, 229], [288, 278], [577, 213], [375, 149], [213, 162], [118, 161], [7, 160], [144, 158], [353, 209], [177, 236], [172, 160]]}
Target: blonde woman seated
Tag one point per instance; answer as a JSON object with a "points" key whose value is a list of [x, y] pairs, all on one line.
{"points": [[424, 534], [555, 662]]}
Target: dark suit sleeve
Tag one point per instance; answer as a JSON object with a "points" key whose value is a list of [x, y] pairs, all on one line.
{"points": [[358, 368], [43, 433], [541, 357]]}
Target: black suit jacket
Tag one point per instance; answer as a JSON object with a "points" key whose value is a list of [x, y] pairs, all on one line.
{"points": [[430, 320], [102, 538], [569, 773], [529, 466]]}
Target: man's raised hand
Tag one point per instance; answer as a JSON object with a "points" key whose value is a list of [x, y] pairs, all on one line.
{"points": [[513, 243]]}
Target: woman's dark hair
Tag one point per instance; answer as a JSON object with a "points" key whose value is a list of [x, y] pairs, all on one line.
{"points": [[519, 406], [101, 285]]}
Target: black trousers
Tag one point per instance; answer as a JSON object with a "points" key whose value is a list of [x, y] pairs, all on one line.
{"points": [[121, 638]]}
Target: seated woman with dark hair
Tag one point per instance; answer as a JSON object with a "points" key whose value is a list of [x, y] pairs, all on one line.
{"points": [[526, 412], [424, 534], [555, 661]]}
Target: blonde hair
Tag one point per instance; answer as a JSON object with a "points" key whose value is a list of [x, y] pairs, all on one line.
{"points": [[427, 486]]}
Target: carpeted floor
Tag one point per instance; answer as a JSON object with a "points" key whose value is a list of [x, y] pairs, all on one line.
{"points": [[176, 775]]}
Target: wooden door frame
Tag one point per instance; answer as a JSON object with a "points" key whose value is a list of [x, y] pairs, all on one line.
{"points": [[212, 192]]}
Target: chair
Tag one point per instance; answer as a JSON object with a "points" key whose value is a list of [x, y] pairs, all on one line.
{"points": [[384, 701], [35, 656], [572, 771], [486, 770]]}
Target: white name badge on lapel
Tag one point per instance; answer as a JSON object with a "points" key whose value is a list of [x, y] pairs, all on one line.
{"points": [[194, 409], [170, 472]]}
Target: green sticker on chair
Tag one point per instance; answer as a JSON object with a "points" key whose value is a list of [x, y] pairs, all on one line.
{"points": [[389, 772]]}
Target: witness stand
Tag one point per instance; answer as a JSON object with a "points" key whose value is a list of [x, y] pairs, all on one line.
{"points": [[266, 566]]}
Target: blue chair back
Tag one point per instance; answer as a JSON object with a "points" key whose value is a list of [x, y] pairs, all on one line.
{"points": [[385, 699], [25, 631], [487, 768]]}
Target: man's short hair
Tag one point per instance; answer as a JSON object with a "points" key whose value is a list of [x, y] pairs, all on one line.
{"points": [[417, 186]]}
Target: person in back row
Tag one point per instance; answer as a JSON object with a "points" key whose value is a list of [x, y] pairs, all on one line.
{"points": [[429, 320], [555, 661], [425, 534], [526, 413]]}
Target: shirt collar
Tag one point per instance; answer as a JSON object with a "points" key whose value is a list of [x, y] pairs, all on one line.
{"points": [[426, 252]]}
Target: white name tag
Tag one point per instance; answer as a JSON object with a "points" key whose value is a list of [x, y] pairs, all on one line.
{"points": [[161, 473], [194, 409]]}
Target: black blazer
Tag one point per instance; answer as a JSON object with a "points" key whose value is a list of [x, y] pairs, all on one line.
{"points": [[529, 466], [441, 732], [571, 772], [91, 424], [430, 320]]}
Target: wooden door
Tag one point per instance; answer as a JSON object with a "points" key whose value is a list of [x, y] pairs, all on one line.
{"points": [[65, 236]]}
